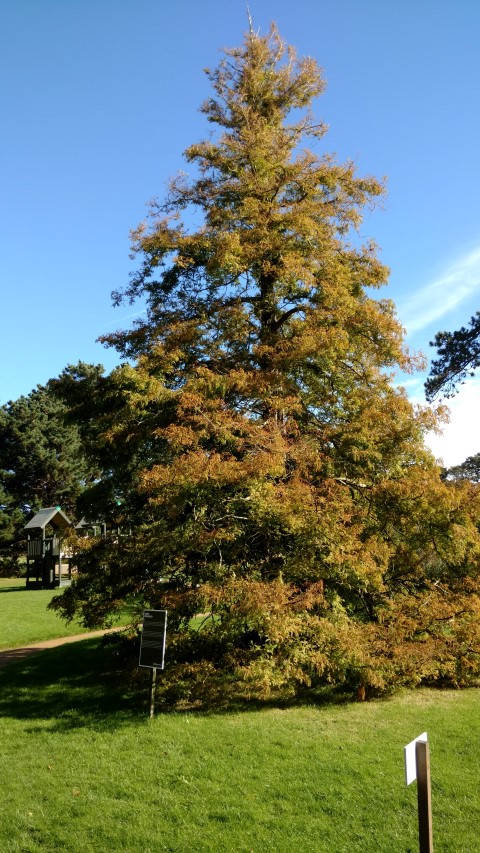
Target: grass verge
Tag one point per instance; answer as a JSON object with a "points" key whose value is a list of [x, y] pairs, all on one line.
{"points": [[84, 770], [24, 618]]}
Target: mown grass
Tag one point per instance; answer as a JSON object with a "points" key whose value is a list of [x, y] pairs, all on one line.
{"points": [[24, 618], [84, 770]]}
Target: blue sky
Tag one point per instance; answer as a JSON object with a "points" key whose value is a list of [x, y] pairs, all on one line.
{"points": [[100, 97]]}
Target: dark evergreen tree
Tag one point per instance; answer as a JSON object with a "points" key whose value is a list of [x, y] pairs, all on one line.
{"points": [[467, 470], [41, 463], [459, 357]]}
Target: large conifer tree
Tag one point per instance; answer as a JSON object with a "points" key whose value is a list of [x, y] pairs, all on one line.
{"points": [[281, 485]]}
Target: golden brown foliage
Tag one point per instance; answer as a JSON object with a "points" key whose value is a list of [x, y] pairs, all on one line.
{"points": [[277, 480]]}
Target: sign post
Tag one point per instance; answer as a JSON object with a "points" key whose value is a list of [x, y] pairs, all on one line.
{"points": [[153, 681], [152, 647], [417, 766]]}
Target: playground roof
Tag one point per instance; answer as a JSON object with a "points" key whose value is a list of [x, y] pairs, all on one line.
{"points": [[51, 515], [84, 524]]}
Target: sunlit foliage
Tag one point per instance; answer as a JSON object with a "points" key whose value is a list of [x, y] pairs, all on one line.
{"points": [[275, 480]]}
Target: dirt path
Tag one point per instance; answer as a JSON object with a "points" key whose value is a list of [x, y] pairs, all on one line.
{"points": [[9, 655]]}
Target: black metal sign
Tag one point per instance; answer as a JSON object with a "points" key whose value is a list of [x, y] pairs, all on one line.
{"points": [[154, 635]]}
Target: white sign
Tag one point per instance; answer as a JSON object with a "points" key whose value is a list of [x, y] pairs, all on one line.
{"points": [[411, 759]]}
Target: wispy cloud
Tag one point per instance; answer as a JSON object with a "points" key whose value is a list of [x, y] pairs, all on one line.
{"points": [[442, 295], [131, 316], [414, 384]]}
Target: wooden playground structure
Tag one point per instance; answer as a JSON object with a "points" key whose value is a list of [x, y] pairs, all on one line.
{"points": [[49, 564], [49, 556]]}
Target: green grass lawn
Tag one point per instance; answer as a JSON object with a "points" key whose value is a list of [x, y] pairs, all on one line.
{"points": [[24, 617], [85, 771]]}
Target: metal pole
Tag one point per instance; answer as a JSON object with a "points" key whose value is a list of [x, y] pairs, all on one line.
{"points": [[152, 691], [424, 796]]}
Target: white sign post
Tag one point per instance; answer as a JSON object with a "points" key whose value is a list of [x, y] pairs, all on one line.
{"points": [[417, 766]]}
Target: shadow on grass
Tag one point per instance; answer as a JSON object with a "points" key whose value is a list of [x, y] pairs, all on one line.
{"points": [[71, 686], [218, 705], [15, 589], [80, 685]]}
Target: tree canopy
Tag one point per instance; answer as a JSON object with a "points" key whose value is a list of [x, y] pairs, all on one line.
{"points": [[275, 479], [42, 462], [467, 470], [459, 357]]}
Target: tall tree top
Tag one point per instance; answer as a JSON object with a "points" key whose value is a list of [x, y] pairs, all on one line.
{"points": [[274, 244]]}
